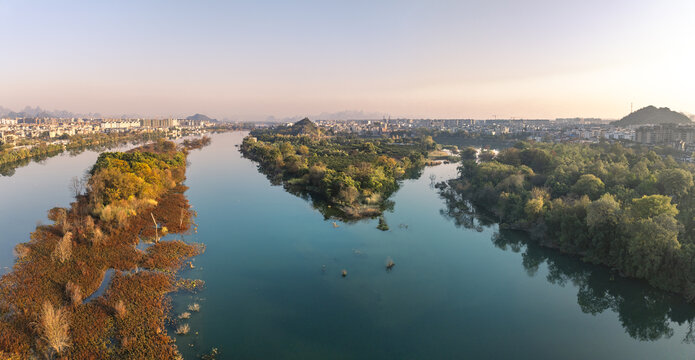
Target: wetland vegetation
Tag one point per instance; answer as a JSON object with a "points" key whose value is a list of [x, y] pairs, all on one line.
{"points": [[42, 312]]}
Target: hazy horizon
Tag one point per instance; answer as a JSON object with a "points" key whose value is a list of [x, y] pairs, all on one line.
{"points": [[414, 59]]}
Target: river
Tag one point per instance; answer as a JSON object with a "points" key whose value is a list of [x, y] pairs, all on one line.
{"points": [[274, 287]]}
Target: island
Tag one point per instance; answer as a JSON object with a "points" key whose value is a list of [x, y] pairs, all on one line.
{"points": [[628, 208], [346, 176], [49, 305]]}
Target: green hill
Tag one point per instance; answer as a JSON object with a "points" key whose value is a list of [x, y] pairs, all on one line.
{"points": [[304, 127], [653, 115]]}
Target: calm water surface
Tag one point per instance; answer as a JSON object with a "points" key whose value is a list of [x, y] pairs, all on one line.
{"points": [[454, 292]]}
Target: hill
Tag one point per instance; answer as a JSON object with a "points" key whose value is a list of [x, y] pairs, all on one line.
{"points": [[653, 115], [200, 117], [304, 127]]}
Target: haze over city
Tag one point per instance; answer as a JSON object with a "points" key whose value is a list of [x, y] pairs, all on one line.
{"points": [[247, 60], [389, 179]]}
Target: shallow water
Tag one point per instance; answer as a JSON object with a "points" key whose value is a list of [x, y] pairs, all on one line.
{"points": [[26, 196], [453, 293]]}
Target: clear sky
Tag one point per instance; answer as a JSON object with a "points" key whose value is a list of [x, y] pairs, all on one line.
{"points": [[429, 58]]}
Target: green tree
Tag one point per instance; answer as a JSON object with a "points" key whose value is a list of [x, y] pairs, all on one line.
{"points": [[675, 182], [537, 159], [486, 156], [651, 242], [653, 205], [469, 153], [603, 217], [589, 185]]}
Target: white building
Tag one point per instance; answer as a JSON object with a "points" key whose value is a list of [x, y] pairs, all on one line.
{"points": [[120, 124]]}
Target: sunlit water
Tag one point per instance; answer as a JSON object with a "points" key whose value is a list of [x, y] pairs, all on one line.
{"points": [[453, 293]]}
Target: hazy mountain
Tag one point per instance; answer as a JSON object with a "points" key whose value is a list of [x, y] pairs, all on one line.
{"points": [[653, 115], [350, 115], [201, 117], [31, 112], [4, 111]]}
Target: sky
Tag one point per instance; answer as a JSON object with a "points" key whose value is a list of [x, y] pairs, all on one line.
{"points": [[246, 60]]}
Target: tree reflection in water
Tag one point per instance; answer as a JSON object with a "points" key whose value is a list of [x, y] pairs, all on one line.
{"points": [[646, 313]]}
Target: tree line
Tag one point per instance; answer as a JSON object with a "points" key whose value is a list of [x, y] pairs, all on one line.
{"points": [[12, 157], [628, 208]]}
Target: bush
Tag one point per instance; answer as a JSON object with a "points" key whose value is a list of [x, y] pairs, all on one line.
{"points": [[63, 249], [74, 293], [54, 328]]}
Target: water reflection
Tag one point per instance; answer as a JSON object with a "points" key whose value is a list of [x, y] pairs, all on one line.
{"points": [[646, 313], [321, 204], [9, 168]]}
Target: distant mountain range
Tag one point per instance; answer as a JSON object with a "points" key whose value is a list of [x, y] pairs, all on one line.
{"points": [[30, 112], [653, 115], [37, 112]]}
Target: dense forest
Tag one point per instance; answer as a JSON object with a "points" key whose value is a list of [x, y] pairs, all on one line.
{"points": [[353, 177], [45, 307], [628, 208]]}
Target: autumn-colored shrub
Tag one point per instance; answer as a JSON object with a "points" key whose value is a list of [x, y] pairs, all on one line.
{"points": [[74, 293], [63, 249], [120, 309], [183, 329], [185, 315], [58, 216], [54, 328], [21, 251]]}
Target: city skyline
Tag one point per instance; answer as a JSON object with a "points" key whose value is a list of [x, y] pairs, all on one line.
{"points": [[251, 60]]}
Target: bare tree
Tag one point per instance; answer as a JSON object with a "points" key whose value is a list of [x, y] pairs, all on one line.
{"points": [[77, 186], [156, 235]]}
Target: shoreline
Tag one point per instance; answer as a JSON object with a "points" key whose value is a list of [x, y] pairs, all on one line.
{"points": [[110, 325]]}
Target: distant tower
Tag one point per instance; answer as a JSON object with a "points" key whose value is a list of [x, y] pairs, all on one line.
{"points": [[630, 108]]}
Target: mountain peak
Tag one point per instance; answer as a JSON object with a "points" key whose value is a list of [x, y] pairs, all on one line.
{"points": [[304, 127]]}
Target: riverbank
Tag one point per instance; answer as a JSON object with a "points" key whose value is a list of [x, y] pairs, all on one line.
{"points": [[127, 194], [13, 158], [627, 208]]}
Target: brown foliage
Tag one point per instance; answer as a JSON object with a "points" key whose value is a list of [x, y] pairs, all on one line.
{"points": [[21, 251], [59, 260], [74, 293], [169, 255]]}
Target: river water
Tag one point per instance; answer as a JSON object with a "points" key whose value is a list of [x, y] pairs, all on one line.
{"points": [[274, 288]]}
